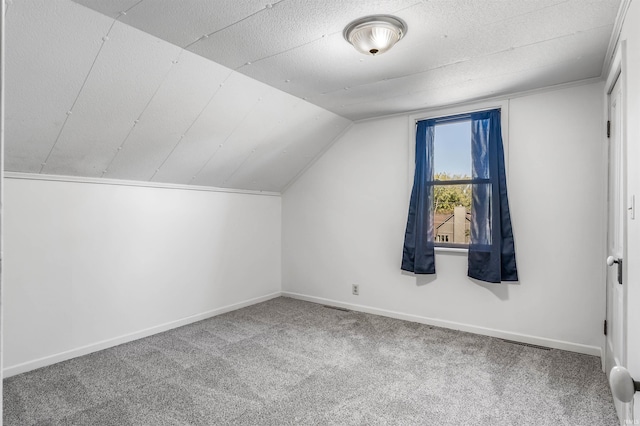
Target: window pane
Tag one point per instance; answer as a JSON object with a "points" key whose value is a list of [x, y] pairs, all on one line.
{"points": [[452, 213], [452, 150]]}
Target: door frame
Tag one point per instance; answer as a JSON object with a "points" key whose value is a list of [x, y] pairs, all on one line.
{"points": [[615, 336], [617, 75]]}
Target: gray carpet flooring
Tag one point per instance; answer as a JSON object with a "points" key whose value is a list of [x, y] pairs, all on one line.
{"points": [[291, 362]]}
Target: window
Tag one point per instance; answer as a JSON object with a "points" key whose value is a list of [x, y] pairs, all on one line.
{"points": [[459, 196], [452, 183]]}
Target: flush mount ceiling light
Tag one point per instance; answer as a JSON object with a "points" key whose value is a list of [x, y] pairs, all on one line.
{"points": [[373, 35]]}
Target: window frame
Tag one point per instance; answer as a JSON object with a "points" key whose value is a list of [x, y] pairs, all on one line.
{"points": [[502, 104]]}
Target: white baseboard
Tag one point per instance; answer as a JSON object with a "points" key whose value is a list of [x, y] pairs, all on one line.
{"points": [[98, 346], [517, 337]]}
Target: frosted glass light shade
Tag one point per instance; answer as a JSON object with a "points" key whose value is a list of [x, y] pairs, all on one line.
{"points": [[373, 35]]}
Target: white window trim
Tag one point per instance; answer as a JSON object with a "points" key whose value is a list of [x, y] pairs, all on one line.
{"points": [[448, 111]]}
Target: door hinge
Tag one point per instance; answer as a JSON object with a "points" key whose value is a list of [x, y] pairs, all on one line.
{"points": [[605, 327], [609, 128]]}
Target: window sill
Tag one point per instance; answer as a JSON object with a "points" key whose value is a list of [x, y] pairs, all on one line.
{"points": [[451, 250]]}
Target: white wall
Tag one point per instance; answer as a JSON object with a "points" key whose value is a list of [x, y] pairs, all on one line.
{"points": [[90, 265], [344, 222]]}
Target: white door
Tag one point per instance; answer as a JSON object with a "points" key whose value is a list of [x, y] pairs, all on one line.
{"points": [[616, 330]]}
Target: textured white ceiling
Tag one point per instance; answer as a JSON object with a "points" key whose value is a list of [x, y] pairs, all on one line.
{"points": [[454, 50], [90, 96], [245, 94]]}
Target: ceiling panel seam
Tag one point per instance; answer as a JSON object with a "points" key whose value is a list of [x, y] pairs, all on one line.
{"points": [[249, 111], [134, 5], [520, 15], [255, 147], [253, 151], [408, 7], [184, 134], [443, 66], [286, 50], [206, 36], [84, 83], [137, 120]]}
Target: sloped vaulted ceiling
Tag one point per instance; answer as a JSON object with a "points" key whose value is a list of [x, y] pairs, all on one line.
{"points": [[245, 94], [90, 96]]}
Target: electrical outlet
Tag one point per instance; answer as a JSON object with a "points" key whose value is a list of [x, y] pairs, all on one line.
{"points": [[355, 289]]}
